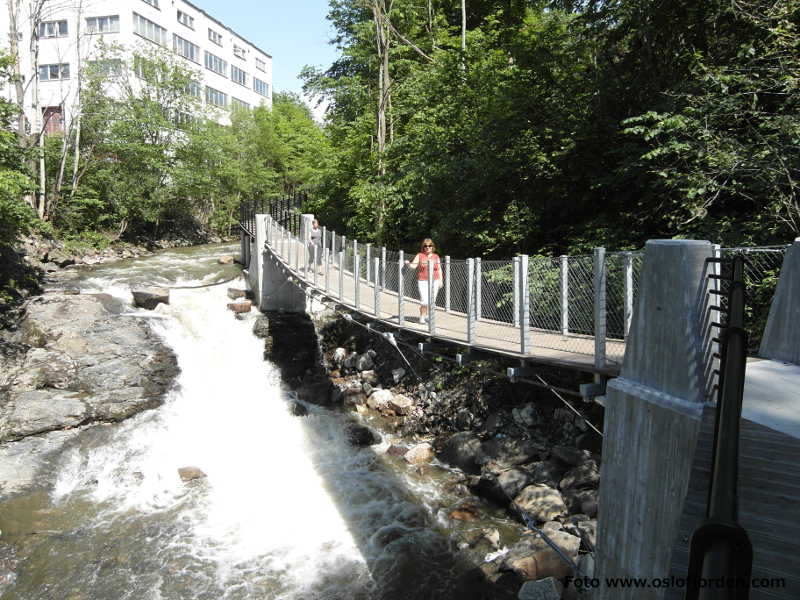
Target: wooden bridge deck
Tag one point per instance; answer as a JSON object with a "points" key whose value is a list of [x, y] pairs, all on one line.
{"points": [[571, 351]]}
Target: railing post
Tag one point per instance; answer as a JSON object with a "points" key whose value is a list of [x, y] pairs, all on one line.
{"points": [[343, 242], [401, 314], [383, 267], [324, 238], [314, 265], [333, 243], [326, 258], [600, 308], [341, 275], [628, 312], [292, 250], [431, 300], [356, 275], [564, 295], [376, 287], [369, 263], [470, 301], [524, 306], [447, 283], [515, 285], [478, 282]]}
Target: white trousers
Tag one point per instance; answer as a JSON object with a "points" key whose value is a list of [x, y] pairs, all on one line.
{"points": [[422, 285]]}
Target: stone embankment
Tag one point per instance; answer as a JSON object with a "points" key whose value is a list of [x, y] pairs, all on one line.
{"points": [[75, 360], [504, 445]]}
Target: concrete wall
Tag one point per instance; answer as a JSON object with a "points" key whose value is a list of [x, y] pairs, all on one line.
{"points": [[781, 339], [652, 417], [271, 287]]}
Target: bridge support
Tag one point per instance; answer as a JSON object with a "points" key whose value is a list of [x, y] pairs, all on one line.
{"points": [[781, 339], [652, 418], [272, 289]]}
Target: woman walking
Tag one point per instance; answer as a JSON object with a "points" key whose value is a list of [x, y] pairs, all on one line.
{"points": [[314, 243], [425, 259]]}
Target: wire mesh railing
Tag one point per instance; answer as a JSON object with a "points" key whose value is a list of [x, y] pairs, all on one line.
{"points": [[556, 305]]}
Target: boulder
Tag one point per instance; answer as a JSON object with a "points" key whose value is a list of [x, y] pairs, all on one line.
{"points": [[548, 588], [461, 450], [361, 436], [369, 377], [364, 362], [339, 356], [572, 457], [508, 452], [540, 502], [581, 501], [485, 535], [419, 454], [525, 416], [241, 306], [586, 475], [190, 474], [401, 405], [225, 260], [396, 450], [60, 258], [466, 511], [546, 472], [532, 558], [234, 293], [149, 298], [261, 327], [379, 400], [398, 374]]}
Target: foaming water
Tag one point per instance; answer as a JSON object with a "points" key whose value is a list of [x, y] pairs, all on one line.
{"points": [[288, 510]]}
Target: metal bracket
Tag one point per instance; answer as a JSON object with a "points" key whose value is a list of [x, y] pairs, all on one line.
{"points": [[590, 391]]}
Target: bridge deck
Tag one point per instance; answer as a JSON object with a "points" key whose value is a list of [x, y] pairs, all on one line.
{"points": [[571, 351]]}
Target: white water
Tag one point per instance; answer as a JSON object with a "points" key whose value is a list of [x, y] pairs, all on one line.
{"points": [[289, 509]]}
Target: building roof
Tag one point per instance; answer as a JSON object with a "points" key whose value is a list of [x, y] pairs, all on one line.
{"points": [[221, 24]]}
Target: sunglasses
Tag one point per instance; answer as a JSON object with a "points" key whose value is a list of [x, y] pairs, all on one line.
{"points": [[428, 246]]}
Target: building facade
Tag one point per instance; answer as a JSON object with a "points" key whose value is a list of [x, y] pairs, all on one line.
{"points": [[231, 73]]}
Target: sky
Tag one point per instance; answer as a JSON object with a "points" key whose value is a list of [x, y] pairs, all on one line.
{"points": [[294, 32]]}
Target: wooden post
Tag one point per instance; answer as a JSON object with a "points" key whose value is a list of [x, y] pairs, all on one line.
{"points": [[356, 275], [524, 306], [478, 282], [431, 301], [564, 295], [401, 316], [341, 275], [369, 263], [600, 307], [628, 312], [376, 263], [447, 283], [470, 301], [515, 285]]}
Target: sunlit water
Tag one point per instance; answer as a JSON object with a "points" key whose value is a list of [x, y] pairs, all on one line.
{"points": [[288, 510]]}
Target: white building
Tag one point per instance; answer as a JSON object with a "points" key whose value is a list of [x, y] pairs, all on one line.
{"points": [[232, 72]]}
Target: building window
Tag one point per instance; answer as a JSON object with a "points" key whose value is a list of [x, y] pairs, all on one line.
{"points": [[53, 29], [239, 105], [261, 87], [186, 48], [215, 37], [261, 65], [108, 24], [53, 117], [109, 67], [153, 3], [54, 72], [185, 19], [216, 98], [149, 30], [193, 89], [216, 64], [238, 76], [239, 52]]}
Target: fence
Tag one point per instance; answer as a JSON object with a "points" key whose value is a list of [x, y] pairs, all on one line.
{"points": [[571, 304]]}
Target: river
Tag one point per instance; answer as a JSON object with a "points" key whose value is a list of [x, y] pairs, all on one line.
{"points": [[289, 509]]}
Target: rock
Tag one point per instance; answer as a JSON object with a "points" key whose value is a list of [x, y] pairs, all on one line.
{"points": [[583, 476], [570, 456], [466, 511], [548, 588], [525, 416], [379, 400], [71, 291], [474, 537], [191, 473], [60, 258], [401, 405], [297, 409], [464, 419], [587, 531], [419, 454], [242, 306], [581, 501], [369, 377], [540, 502], [339, 356], [234, 293], [396, 450], [551, 526], [149, 298], [316, 390], [461, 450], [367, 389], [508, 452], [532, 558], [364, 362], [349, 363], [225, 260], [361, 436], [398, 374], [547, 472], [261, 327]]}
